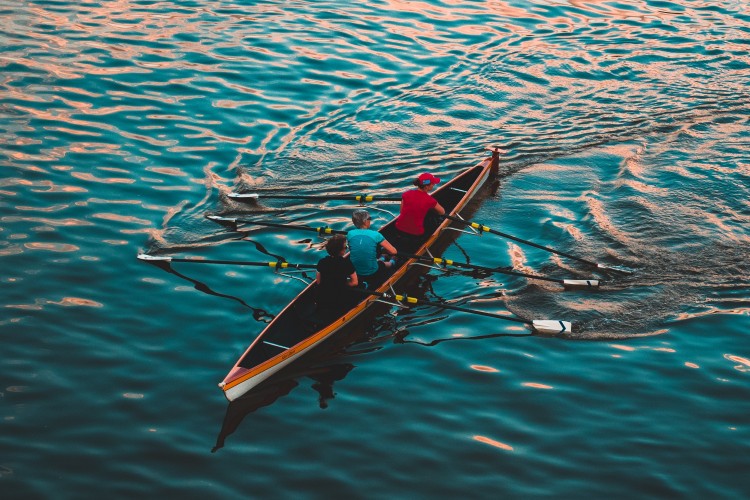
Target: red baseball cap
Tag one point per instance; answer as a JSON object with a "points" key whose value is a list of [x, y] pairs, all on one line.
{"points": [[427, 178]]}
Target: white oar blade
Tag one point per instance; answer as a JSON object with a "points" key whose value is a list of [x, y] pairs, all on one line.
{"points": [[243, 196], [152, 258], [219, 218], [581, 283], [551, 326]]}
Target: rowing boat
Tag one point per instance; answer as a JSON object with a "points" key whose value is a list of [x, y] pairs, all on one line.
{"points": [[294, 332]]}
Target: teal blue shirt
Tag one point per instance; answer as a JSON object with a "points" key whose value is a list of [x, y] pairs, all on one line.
{"points": [[363, 250]]}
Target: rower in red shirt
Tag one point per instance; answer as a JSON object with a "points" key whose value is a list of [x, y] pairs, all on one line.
{"points": [[416, 204]]}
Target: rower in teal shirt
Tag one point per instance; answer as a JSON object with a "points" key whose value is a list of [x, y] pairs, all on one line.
{"points": [[364, 245]]}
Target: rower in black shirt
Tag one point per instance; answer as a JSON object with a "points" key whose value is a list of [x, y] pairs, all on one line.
{"points": [[335, 275]]}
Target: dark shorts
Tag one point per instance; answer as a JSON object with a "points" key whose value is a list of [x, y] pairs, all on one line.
{"points": [[407, 243], [375, 280]]}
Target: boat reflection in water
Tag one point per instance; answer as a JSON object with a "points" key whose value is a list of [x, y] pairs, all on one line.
{"points": [[267, 393]]}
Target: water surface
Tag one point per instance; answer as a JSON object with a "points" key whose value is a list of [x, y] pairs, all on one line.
{"points": [[626, 130]]}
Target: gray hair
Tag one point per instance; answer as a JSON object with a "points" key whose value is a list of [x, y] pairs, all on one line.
{"points": [[359, 217]]}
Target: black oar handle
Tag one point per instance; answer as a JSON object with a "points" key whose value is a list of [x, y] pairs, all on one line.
{"points": [[486, 229]]}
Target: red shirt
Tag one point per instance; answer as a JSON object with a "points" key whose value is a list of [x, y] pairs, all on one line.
{"points": [[415, 204]]}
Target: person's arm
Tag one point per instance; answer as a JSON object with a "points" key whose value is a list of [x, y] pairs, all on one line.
{"points": [[439, 209], [317, 277], [353, 279], [390, 249]]}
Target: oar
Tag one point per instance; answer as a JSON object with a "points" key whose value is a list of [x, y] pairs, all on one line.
{"points": [[483, 228], [233, 221], [550, 327], [361, 198], [276, 265], [567, 283]]}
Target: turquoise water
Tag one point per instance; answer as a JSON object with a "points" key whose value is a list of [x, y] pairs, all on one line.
{"points": [[626, 129]]}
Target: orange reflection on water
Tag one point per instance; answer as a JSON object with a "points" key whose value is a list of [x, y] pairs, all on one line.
{"points": [[742, 311], [167, 171], [171, 188], [52, 208], [598, 212], [52, 247], [623, 347], [10, 250], [492, 442], [28, 307], [52, 188], [744, 363], [122, 218], [642, 187], [76, 301], [115, 242], [85, 176], [691, 365], [65, 302], [15, 181], [535, 385], [18, 155], [482, 368]]}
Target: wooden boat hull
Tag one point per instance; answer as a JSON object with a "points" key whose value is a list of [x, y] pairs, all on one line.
{"points": [[294, 332]]}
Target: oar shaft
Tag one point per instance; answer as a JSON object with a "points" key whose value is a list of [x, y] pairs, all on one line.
{"points": [[413, 300], [276, 264], [320, 230], [273, 264], [448, 262], [543, 326], [486, 229], [234, 221], [441, 305], [360, 198]]}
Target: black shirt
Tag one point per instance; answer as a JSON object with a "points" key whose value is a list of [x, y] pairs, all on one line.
{"points": [[334, 272]]}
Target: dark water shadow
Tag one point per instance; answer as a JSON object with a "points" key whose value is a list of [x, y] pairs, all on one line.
{"points": [[259, 314], [400, 338], [267, 393]]}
